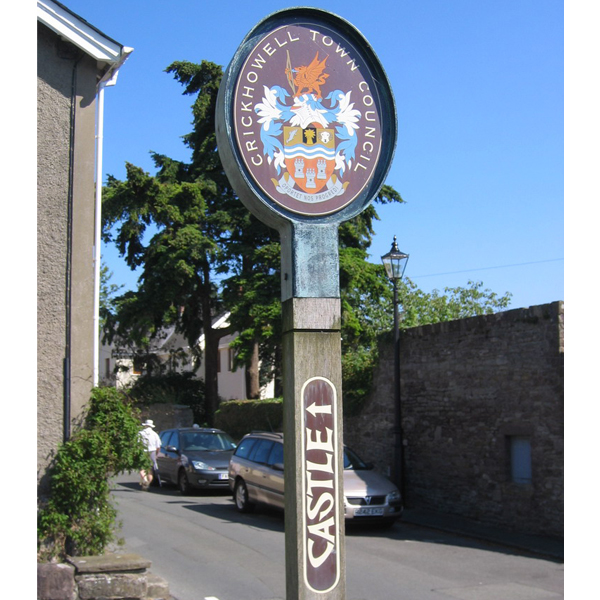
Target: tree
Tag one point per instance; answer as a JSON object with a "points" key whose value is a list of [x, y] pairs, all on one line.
{"points": [[191, 207], [209, 254], [108, 293], [203, 232], [253, 292], [420, 308]]}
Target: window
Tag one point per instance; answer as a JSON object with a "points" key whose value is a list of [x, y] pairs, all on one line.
{"points": [[519, 449], [107, 367], [261, 451], [231, 356], [138, 365], [174, 441], [243, 450], [165, 438], [276, 456], [352, 461]]}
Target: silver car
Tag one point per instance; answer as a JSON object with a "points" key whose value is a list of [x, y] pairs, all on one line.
{"points": [[256, 477]]}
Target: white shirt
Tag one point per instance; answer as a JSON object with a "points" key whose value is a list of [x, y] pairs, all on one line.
{"points": [[150, 438]]}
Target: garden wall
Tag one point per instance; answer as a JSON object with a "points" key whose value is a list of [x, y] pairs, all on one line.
{"points": [[470, 389]]}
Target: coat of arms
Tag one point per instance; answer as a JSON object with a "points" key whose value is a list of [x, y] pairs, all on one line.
{"points": [[308, 139]]}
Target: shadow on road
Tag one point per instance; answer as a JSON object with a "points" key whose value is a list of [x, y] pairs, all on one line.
{"points": [[261, 517], [218, 504]]}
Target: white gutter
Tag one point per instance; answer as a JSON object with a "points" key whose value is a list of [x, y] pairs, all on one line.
{"points": [[109, 79]]}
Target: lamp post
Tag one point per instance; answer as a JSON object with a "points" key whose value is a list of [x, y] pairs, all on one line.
{"points": [[395, 264]]}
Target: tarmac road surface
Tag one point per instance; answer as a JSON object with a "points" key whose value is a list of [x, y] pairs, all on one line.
{"points": [[206, 550]]}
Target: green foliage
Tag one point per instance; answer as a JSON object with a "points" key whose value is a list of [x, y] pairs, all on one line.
{"points": [[190, 211], [78, 518], [357, 376], [107, 295], [366, 297], [252, 294], [209, 254], [171, 388], [420, 308], [239, 417], [203, 234], [374, 314]]}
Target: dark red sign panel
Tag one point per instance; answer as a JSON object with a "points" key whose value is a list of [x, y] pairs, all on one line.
{"points": [[320, 489], [307, 118]]}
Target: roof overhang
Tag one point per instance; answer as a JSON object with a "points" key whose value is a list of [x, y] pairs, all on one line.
{"points": [[109, 54]]}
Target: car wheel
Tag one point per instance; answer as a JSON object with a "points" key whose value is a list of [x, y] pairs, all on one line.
{"points": [[240, 497], [182, 483]]}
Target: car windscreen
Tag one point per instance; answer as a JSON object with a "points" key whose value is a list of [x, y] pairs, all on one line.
{"points": [[191, 440], [353, 461]]}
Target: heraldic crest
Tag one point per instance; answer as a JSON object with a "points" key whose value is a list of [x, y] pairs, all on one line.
{"points": [[309, 140]]}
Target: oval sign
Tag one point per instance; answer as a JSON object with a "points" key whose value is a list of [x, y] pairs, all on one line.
{"points": [[306, 123]]}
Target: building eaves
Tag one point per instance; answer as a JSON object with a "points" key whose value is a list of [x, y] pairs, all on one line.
{"points": [[168, 339], [71, 27]]}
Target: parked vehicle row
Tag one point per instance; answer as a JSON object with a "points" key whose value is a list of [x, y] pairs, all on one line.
{"points": [[206, 458]]}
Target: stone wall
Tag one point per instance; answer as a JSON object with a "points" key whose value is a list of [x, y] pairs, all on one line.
{"points": [[105, 577], [469, 386], [168, 416]]}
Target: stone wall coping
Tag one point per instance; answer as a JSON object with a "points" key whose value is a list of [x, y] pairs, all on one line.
{"points": [[551, 310], [110, 562]]}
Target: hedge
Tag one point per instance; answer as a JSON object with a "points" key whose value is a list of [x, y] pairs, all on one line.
{"points": [[239, 417]]}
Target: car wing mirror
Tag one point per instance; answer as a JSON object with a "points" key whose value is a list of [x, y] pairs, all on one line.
{"points": [[172, 449]]}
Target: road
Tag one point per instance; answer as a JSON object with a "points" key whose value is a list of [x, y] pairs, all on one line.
{"points": [[205, 549]]}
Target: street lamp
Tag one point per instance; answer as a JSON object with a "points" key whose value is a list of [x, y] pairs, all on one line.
{"points": [[395, 264]]}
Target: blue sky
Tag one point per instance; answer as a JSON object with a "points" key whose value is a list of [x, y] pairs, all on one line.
{"points": [[479, 95]]}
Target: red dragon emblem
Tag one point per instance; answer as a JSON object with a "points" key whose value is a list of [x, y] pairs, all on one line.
{"points": [[308, 78]]}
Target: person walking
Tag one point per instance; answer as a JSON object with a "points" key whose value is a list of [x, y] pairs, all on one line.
{"points": [[151, 440]]}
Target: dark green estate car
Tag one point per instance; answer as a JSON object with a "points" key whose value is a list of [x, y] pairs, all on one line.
{"points": [[195, 458]]}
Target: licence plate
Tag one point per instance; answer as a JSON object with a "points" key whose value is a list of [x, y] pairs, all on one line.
{"points": [[223, 475], [368, 512]]}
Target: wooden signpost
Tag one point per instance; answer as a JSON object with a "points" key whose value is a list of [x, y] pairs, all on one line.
{"points": [[306, 130]]}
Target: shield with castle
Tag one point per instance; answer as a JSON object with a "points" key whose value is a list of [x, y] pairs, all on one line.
{"points": [[309, 156], [308, 132]]}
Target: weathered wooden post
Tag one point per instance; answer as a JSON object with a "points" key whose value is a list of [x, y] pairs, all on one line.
{"points": [[306, 129]]}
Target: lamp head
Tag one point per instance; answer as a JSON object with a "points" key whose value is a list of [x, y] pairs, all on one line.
{"points": [[394, 262]]}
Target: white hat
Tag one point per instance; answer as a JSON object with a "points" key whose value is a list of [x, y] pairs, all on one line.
{"points": [[148, 423]]}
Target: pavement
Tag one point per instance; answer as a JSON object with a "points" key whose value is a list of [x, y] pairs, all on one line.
{"points": [[546, 547]]}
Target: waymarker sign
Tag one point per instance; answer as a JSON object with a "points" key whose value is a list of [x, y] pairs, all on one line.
{"points": [[306, 131], [321, 532]]}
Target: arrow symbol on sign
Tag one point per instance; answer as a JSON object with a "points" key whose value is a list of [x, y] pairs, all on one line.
{"points": [[313, 409]]}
